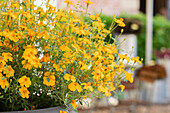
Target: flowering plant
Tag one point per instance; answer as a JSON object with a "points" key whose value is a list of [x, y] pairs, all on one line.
{"points": [[52, 58]]}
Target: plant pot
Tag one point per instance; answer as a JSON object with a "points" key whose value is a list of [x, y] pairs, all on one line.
{"points": [[46, 110]]}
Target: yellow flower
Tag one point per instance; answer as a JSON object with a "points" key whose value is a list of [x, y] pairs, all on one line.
{"points": [[62, 111], [120, 22], [107, 92], [8, 71], [121, 56], [74, 104], [26, 65], [88, 2], [7, 56], [24, 92], [13, 37], [28, 54], [1, 75], [25, 81], [136, 60], [45, 34], [1, 66], [87, 86], [69, 77], [128, 76], [84, 67], [122, 87], [102, 88], [49, 79], [57, 67], [72, 70], [73, 86], [95, 17], [65, 48], [86, 55], [68, 2], [3, 82], [46, 58]]}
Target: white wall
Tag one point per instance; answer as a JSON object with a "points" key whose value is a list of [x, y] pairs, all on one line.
{"points": [[42, 3]]}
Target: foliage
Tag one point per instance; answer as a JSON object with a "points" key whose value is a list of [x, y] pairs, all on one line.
{"points": [[52, 58]]}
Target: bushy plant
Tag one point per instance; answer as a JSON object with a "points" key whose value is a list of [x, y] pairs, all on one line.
{"points": [[52, 58]]}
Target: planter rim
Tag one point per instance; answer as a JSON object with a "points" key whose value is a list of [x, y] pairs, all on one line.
{"points": [[44, 110]]}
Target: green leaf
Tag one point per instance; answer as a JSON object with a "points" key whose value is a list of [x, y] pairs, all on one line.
{"points": [[1, 96], [74, 110], [64, 71], [5, 90], [80, 103], [48, 79], [3, 78]]}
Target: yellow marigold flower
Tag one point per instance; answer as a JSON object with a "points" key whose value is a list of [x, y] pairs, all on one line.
{"points": [[99, 25], [74, 104], [105, 31], [87, 86], [72, 70], [17, 5], [57, 67], [1, 66], [28, 15], [95, 17], [45, 34], [122, 87], [46, 58], [1, 44], [120, 22], [65, 48], [68, 2], [1, 75], [7, 56], [86, 55], [73, 86], [13, 37], [8, 71], [49, 79], [102, 88], [28, 55], [88, 2], [98, 37], [110, 76], [84, 67], [121, 56], [136, 59], [3, 82], [24, 81], [24, 92], [36, 63], [69, 77], [107, 92], [26, 65], [63, 111], [97, 74], [128, 76]]}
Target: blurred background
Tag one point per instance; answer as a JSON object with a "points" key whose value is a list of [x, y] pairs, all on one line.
{"points": [[147, 34]]}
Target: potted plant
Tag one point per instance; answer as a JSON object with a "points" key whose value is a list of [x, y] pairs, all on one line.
{"points": [[52, 58]]}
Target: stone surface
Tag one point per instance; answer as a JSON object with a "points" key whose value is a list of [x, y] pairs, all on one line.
{"points": [[109, 7], [148, 108]]}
